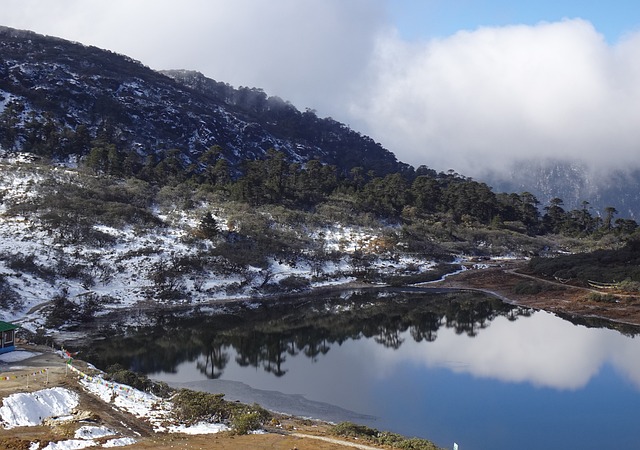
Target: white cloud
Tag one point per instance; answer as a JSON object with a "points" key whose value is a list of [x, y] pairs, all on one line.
{"points": [[306, 51], [480, 100]]}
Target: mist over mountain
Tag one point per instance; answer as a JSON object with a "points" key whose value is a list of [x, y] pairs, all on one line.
{"points": [[573, 182], [49, 83]]}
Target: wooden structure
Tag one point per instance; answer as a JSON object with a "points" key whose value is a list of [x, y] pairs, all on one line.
{"points": [[7, 337]]}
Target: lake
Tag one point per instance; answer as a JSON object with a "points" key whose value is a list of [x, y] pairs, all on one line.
{"points": [[450, 367]]}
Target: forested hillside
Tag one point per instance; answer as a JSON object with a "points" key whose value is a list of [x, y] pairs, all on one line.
{"points": [[121, 185]]}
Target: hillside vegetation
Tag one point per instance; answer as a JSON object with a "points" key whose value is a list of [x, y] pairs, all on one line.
{"points": [[123, 186]]}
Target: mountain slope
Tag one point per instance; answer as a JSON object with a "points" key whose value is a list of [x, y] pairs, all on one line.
{"points": [[48, 83], [574, 183]]}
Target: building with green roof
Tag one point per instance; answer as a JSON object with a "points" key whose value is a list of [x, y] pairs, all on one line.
{"points": [[7, 337]]}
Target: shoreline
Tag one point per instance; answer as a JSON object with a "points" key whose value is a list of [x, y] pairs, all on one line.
{"points": [[554, 297], [498, 279]]}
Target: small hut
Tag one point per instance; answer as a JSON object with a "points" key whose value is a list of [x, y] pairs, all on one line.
{"points": [[7, 337]]}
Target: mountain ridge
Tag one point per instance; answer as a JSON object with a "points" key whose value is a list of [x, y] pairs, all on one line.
{"points": [[47, 79]]}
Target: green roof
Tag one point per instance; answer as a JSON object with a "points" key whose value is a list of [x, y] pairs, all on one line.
{"points": [[6, 326]]}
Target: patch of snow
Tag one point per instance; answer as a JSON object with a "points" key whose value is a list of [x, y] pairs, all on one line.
{"points": [[31, 409], [199, 428], [72, 444], [17, 355], [119, 442], [335, 282], [88, 432]]}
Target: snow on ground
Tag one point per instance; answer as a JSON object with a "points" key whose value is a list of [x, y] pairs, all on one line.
{"points": [[144, 405], [23, 410], [198, 428], [93, 432], [32, 258], [32, 409], [17, 355], [71, 444], [133, 401]]}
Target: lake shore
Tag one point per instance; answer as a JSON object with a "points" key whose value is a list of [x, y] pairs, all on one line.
{"points": [[498, 278], [573, 302], [52, 372]]}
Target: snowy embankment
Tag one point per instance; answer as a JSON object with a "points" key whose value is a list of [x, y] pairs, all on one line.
{"points": [[59, 405], [56, 405], [131, 264]]}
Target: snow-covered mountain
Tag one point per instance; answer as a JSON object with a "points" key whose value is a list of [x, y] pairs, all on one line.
{"points": [[47, 82]]}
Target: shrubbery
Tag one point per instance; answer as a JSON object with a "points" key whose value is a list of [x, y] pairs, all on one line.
{"points": [[119, 374], [348, 429], [62, 311], [28, 264], [9, 298], [528, 288], [603, 266], [193, 406], [603, 298]]}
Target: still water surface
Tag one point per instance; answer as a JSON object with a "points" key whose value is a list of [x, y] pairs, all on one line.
{"points": [[450, 368]]}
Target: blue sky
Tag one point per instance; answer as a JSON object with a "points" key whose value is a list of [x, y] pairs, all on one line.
{"points": [[555, 79], [426, 19]]}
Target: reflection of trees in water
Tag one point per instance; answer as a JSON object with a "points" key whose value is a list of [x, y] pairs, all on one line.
{"points": [[274, 355], [215, 360], [469, 319], [426, 327], [389, 337], [267, 345], [312, 330]]}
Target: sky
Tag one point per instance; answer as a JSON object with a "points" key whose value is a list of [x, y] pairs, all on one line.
{"points": [[474, 86]]}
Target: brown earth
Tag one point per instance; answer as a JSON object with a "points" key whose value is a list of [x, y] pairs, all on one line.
{"points": [[501, 280]]}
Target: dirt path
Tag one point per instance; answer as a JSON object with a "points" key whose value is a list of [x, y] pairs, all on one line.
{"points": [[335, 441], [502, 281]]}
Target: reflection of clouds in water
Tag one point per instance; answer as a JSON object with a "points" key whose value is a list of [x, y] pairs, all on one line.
{"points": [[543, 350]]}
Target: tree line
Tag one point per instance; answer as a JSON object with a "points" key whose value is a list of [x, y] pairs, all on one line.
{"points": [[420, 192], [411, 193]]}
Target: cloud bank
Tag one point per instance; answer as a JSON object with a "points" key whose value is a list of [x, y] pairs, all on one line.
{"points": [[476, 101], [312, 53]]}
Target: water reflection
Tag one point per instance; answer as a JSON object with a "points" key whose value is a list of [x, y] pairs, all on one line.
{"points": [[544, 351], [444, 366], [266, 336]]}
